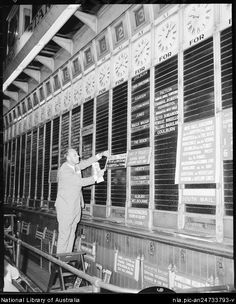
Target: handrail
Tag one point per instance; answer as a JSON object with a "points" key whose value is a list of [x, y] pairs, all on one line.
{"points": [[97, 283], [205, 289]]}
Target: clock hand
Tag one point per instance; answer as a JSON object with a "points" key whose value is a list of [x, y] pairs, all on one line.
{"points": [[143, 48], [169, 31]]}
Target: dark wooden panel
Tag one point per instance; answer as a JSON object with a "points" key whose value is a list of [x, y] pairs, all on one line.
{"points": [[55, 154], [17, 166], [102, 143], [87, 148], [166, 119], [47, 160], [88, 113], [22, 166], [226, 67], [206, 209], [102, 122], [27, 164], [33, 164], [118, 187], [64, 135], [8, 168], [199, 81], [13, 163], [228, 186], [75, 128], [40, 163], [119, 119]]}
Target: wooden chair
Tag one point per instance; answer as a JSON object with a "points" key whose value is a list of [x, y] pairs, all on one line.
{"points": [[25, 228], [24, 233], [106, 275], [40, 235]]}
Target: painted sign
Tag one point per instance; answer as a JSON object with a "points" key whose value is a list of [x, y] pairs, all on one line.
{"points": [[139, 157], [199, 196], [138, 217], [126, 265], [153, 275], [166, 110], [117, 161], [198, 152]]}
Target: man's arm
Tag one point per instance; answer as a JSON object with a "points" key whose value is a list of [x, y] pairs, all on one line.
{"points": [[88, 162], [67, 175]]}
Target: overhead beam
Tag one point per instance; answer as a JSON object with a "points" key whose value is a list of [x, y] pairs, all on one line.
{"points": [[62, 13], [22, 85], [12, 95], [90, 20], [6, 104], [46, 61], [35, 74], [65, 43]]}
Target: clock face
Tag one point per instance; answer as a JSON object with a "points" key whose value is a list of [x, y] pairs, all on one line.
{"points": [[121, 64], [198, 18], [142, 51], [104, 75], [90, 84], [167, 35]]}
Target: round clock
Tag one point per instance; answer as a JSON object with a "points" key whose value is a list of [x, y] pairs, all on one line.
{"points": [[121, 64], [198, 18], [142, 51], [90, 84], [104, 75], [167, 35]]}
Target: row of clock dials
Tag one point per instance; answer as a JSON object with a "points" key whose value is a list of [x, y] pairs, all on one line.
{"points": [[111, 71]]}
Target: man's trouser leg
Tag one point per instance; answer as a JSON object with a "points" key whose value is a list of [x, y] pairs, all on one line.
{"points": [[64, 229], [72, 232]]}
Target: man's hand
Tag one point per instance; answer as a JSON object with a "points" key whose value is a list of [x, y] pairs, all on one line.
{"points": [[100, 155], [100, 176], [105, 153]]}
